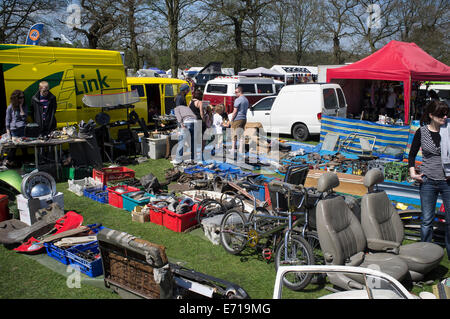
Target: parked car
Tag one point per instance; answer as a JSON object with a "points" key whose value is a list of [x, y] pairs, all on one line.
{"points": [[378, 285], [298, 109], [221, 90]]}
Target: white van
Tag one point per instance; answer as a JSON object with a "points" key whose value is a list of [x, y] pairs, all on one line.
{"points": [[221, 90], [297, 109]]}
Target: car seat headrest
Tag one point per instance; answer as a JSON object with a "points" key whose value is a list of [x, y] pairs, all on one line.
{"points": [[327, 182], [373, 177]]}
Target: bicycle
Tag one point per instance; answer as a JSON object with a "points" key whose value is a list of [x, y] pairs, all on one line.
{"points": [[264, 230]]}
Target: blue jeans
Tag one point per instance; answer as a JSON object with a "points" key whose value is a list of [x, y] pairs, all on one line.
{"points": [[429, 191], [186, 136]]}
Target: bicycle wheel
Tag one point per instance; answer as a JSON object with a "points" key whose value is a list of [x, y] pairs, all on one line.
{"points": [[233, 231], [208, 208], [299, 252], [313, 240]]}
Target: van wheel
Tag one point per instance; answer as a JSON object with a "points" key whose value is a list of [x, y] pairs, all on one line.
{"points": [[300, 132]]}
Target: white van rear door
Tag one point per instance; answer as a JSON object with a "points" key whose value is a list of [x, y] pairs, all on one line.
{"points": [[330, 102], [342, 112], [260, 112]]}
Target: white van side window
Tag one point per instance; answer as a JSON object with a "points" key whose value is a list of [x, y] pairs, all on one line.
{"points": [[329, 99], [265, 88], [264, 105], [216, 88]]}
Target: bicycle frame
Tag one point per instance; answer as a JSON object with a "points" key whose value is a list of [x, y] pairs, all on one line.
{"points": [[288, 225]]}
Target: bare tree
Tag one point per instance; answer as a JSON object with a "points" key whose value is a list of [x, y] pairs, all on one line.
{"points": [[178, 16], [407, 13], [275, 31], [17, 16], [253, 27], [373, 21], [232, 14], [98, 18], [334, 19], [304, 27]]}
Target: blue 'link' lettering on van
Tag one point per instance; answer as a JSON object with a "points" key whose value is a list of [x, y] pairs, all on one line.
{"points": [[91, 85]]}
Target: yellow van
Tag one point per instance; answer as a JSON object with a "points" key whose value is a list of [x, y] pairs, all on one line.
{"points": [[155, 93], [70, 72]]}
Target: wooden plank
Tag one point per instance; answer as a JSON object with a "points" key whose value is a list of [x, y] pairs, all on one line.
{"points": [[348, 183]]}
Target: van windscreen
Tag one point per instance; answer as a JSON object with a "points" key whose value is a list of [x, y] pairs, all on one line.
{"points": [[265, 88], [217, 88]]}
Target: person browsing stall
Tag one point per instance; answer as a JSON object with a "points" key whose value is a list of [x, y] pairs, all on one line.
{"points": [[186, 121], [433, 137], [180, 99], [44, 107], [16, 121], [239, 119]]}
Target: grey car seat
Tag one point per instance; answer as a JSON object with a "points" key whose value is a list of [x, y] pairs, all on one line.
{"points": [[385, 232], [343, 242]]}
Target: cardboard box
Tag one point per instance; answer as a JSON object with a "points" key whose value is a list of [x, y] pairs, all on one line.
{"points": [[28, 207], [140, 214]]}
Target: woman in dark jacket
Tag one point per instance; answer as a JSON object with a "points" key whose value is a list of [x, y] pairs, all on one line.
{"points": [[44, 108], [15, 121]]}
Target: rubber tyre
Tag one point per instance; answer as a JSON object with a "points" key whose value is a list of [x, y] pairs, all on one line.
{"points": [[203, 212], [300, 132], [295, 281], [236, 201], [234, 232]]}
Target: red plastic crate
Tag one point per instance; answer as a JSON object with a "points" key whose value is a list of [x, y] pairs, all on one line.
{"points": [[156, 214], [115, 199], [179, 222], [109, 174]]}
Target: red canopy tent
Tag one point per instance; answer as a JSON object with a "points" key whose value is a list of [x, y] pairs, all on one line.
{"points": [[396, 61]]}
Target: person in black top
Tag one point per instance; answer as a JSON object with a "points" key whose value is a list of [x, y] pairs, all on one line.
{"points": [[434, 177], [44, 106]]}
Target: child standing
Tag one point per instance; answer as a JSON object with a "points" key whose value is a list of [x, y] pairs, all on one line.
{"points": [[218, 128]]}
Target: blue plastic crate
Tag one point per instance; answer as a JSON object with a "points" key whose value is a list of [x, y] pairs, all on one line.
{"points": [[130, 203], [99, 194], [56, 253], [259, 194], [92, 269], [60, 253]]}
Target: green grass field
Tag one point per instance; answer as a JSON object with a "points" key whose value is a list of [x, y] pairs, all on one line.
{"points": [[22, 276]]}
